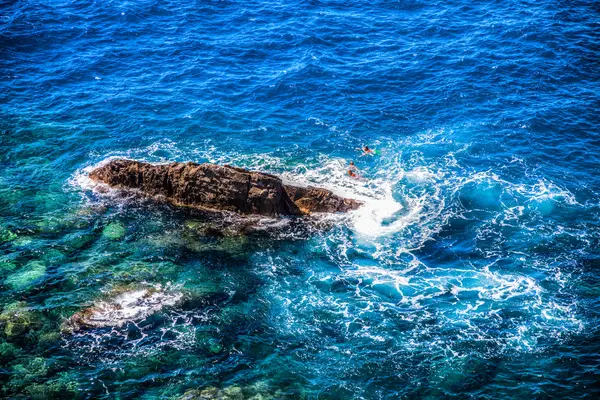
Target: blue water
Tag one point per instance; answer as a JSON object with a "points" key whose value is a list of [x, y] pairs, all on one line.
{"points": [[472, 271]]}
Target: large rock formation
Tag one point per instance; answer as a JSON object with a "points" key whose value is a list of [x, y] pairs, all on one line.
{"points": [[222, 188]]}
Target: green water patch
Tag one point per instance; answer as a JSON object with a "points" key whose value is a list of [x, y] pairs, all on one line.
{"points": [[22, 241], [482, 196]]}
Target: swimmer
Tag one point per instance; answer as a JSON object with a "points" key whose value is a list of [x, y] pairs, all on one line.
{"points": [[367, 151], [353, 171]]}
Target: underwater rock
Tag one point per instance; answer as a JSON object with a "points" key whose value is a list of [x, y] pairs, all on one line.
{"points": [[210, 227], [114, 231], [206, 341], [79, 241], [48, 339], [34, 367], [121, 307], [55, 389], [220, 188], [213, 393], [17, 320], [8, 352], [64, 385], [23, 279], [28, 372], [234, 247], [7, 267], [7, 236], [53, 256], [252, 392]]}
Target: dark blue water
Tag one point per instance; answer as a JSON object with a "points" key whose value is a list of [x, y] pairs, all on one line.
{"points": [[472, 271]]}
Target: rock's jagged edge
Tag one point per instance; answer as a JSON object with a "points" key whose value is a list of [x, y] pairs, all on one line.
{"points": [[220, 188]]}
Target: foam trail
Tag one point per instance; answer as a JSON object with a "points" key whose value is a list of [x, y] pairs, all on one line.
{"points": [[380, 214]]}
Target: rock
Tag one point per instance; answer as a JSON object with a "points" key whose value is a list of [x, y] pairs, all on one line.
{"points": [[28, 372], [114, 231], [17, 320], [79, 241], [311, 200], [213, 393], [23, 279], [121, 307], [220, 188], [232, 393], [7, 267], [6, 235], [63, 387], [194, 394], [48, 339], [53, 256], [8, 352]]}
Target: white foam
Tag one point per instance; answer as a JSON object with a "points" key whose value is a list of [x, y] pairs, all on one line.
{"points": [[380, 214], [130, 306]]}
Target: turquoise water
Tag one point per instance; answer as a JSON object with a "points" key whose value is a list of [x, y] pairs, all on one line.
{"points": [[473, 269]]}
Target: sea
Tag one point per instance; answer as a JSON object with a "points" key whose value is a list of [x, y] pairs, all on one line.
{"points": [[471, 271]]}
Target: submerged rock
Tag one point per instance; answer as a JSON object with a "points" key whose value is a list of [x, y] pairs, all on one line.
{"points": [[60, 388], [7, 267], [114, 231], [213, 393], [34, 367], [48, 339], [8, 352], [258, 391], [25, 278], [78, 241], [221, 188], [122, 307], [6, 235], [17, 320], [31, 375]]}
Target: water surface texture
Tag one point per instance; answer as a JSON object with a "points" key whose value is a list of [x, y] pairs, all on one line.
{"points": [[473, 270]]}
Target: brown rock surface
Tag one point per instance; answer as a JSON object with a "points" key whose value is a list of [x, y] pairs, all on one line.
{"points": [[222, 188]]}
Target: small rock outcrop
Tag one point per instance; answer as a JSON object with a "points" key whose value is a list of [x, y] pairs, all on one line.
{"points": [[122, 307], [220, 188]]}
